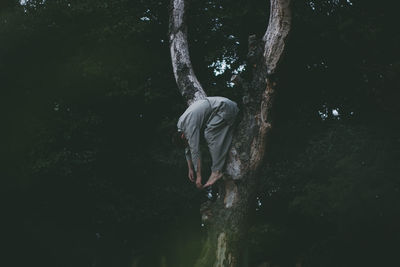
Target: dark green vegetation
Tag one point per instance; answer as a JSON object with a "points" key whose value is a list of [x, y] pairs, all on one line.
{"points": [[90, 176]]}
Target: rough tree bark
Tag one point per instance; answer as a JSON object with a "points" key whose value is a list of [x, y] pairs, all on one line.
{"points": [[226, 217]]}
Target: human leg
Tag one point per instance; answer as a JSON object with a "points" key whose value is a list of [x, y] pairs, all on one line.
{"points": [[219, 138]]}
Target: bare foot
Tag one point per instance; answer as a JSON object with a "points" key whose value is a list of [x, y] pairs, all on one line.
{"points": [[215, 176], [199, 185]]}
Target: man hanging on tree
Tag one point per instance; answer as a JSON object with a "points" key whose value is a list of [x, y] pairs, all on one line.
{"points": [[215, 116]]}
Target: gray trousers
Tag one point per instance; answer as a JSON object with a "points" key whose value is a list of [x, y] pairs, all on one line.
{"points": [[218, 135]]}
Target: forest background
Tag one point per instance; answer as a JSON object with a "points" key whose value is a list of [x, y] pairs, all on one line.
{"points": [[90, 175]]}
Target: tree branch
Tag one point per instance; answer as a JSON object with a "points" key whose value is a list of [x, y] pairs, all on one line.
{"points": [[186, 80], [277, 32]]}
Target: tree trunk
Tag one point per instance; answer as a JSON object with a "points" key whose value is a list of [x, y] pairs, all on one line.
{"points": [[226, 218]]}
